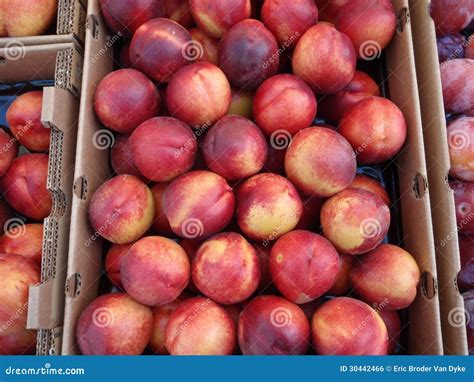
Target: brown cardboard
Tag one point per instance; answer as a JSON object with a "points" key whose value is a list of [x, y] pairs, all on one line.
{"points": [[437, 156], [69, 27], [60, 113], [92, 168]]}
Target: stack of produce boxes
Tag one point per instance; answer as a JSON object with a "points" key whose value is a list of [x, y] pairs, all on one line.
{"points": [[444, 48], [267, 190], [40, 80]]}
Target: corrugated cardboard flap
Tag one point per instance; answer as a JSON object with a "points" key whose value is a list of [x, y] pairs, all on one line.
{"points": [[72, 18], [36, 63], [39, 311], [438, 164], [425, 327], [85, 250]]}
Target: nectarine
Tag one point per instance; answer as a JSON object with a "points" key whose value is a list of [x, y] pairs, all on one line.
{"points": [[200, 327], [345, 326], [198, 204], [355, 220], [163, 148], [124, 99], [114, 324], [226, 268], [24, 119], [271, 325], [235, 148], [387, 276], [122, 209], [155, 271], [268, 206], [320, 162], [198, 94], [303, 266]]}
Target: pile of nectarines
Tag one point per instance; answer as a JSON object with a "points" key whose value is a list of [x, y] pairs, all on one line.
{"points": [[222, 179], [455, 48], [25, 202]]}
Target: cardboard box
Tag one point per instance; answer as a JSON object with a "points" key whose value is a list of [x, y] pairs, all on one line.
{"points": [[59, 67], [92, 169], [438, 164], [70, 27]]}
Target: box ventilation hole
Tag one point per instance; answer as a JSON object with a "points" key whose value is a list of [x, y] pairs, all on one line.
{"points": [[403, 19], [2, 60], [446, 180], [420, 186], [73, 285], [93, 26], [428, 285], [455, 282], [80, 187]]}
